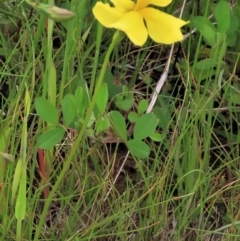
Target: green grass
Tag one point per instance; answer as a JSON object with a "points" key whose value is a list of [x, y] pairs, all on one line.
{"points": [[186, 189]]}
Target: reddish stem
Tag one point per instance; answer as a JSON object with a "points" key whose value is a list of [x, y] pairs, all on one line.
{"points": [[43, 173]]}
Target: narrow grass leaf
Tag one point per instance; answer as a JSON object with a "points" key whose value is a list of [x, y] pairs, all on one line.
{"points": [[220, 79], [102, 98], [20, 208], [16, 179], [52, 83], [138, 148], [86, 34], [27, 103], [50, 138], [145, 126], [47, 111], [4, 137], [6, 157], [119, 124]]}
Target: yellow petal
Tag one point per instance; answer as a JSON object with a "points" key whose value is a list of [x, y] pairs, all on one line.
{"points": [[133, 25], [126, 5], [106, 14], [162, 27], [144, 3]]}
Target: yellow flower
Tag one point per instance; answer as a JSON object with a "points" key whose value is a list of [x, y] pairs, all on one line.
{"points": [[138, 20]]}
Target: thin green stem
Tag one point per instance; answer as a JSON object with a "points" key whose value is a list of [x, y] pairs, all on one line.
{"points": [[96, 58]]}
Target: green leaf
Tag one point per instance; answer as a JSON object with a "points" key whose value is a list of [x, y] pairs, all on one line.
{"points": [[69, 109], [164, 116], [91, 120], [145, 126], [142, 106], [126, 104], [138, 148], [102, 124], [222, 15], [234, 23], [114, 89], [206, 28], [156, 137], [50, 138], [147, 79], [231, 39], [133, 116], [118, 123], [102, 98], [46, 110], [82, 101], [206, 64], [220, 38], [234, 98], [79, 94]]}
